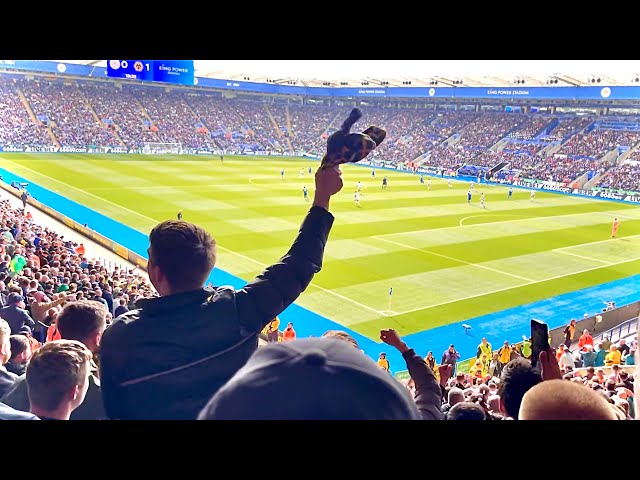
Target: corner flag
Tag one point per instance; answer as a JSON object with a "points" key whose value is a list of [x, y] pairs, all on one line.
{"points": [[390, 293]]}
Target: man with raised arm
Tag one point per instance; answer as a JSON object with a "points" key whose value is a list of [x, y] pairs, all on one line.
{"points": [[166, 358]]}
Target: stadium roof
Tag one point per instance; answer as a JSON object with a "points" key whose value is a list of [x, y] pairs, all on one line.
{"points": [[418, 73]]}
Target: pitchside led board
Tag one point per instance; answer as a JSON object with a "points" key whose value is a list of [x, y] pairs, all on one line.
{"points": [[168, 71]]}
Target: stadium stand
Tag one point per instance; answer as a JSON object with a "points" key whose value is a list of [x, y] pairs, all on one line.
{"points": [[42, 271]]}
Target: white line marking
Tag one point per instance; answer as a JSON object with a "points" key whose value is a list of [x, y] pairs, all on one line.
{"points": [[82, 191], [455, 259], [519, 286], [495, 223], [559, 250], [599, 241], [389, 241], [219, 246], [489, 215]]}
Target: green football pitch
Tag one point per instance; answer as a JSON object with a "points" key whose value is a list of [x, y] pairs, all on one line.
{"points": [[446, 260]]}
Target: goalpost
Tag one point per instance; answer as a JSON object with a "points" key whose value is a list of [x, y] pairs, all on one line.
{"points": [[154, 148]]}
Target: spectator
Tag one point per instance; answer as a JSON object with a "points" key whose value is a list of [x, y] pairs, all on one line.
{"points": [[272, 330], [58, 379], [121, 309], [561, 400], [623, 348], [600, 355], [569, 332], [83, 322], [504, 354], [15, 314], [585, 339], [631, 358], [8, 413], [566, 359], [383, 362], [613, 357], [97, 297], [466, 411], [455, 396], [20, 354], [517, 377], [342, 336], [311, 379], [450, 357], [588, 356], [41, 305], [289, 333], [526, 348], [484, 347], [427, 391], [431, 361], [146, 366], [7, 378]]}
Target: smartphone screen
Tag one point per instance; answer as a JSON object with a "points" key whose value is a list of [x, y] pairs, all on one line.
{"points": [[539, 339]]}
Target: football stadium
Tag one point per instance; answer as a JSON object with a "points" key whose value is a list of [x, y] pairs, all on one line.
{"points": [[488, 203]]}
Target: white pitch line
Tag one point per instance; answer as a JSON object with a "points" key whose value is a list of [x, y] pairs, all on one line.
{"points": [[311, 284], [492, 223], [219, 246], [511, 288], [559, 250], [489, 215], [82, 191], [456, 259], [599, 241]]}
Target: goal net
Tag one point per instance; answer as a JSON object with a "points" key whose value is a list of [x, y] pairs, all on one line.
{"points": [[151, 148]]}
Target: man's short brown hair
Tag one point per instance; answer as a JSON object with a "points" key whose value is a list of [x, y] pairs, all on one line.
{"points": [[19, 344], [341, 335], [184, 252], [79, 320], [54, 370]]}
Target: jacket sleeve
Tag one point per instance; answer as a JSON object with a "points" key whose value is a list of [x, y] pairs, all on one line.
{"points": [[428, 393], [28, 320], [261, 300], [112, 367]]}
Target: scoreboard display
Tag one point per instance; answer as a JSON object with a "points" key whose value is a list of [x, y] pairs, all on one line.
{"points": [[168, 71]]}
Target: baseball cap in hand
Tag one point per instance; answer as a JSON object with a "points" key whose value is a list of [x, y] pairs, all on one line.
{"points": [[311, 379]]}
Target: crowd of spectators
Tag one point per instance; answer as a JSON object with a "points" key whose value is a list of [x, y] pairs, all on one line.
{"points": [[437, 139], [562, 169], [622, 177], [566, 128], [121, 109], [598, 142], [174, 119], [16, 128], [529, 128], [68, 113], [309, 123]]}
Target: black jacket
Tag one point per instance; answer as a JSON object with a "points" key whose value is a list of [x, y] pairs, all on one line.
{"points": [[7, 379], [428, 394], [168, 357], [16, 317]]}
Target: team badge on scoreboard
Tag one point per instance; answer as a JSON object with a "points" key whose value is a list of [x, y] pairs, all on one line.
{"points": [[137, 66], [115, 64]]}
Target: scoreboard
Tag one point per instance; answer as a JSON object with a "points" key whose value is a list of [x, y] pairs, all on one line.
{"points": [[168, 71]]}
